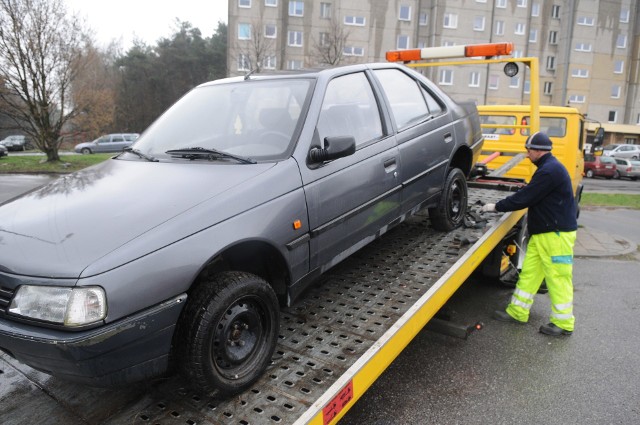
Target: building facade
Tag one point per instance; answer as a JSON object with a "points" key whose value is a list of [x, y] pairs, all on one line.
{"points": [[588, 50]]}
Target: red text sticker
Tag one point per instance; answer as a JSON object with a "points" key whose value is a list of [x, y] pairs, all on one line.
{"points": [[338, 403]]}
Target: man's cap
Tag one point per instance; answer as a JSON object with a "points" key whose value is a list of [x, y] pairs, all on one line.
{"points": [[538, 141]]}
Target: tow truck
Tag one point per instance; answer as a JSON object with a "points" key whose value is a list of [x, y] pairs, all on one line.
{"points": [[346, 331]]}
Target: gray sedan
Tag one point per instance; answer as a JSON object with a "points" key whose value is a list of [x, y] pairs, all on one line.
{"points": [[627, 168]]}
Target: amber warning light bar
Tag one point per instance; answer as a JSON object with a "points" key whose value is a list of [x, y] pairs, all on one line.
{"points": [[472, 50]]}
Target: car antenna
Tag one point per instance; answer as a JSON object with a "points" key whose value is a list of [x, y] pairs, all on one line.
{"points": [[246, 77]]}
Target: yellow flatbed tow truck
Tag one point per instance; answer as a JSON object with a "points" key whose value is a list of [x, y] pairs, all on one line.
{"points": [[336, 341]]}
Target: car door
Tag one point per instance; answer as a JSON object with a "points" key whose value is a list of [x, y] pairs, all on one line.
{"points": [[103, 144], [118, 142], [425, 135], [351, 200]]}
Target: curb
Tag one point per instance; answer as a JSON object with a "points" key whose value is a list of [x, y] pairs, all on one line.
{"points": [[593, 243]]}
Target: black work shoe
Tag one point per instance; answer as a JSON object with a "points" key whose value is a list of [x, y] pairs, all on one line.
{"points": [[553, 330], [503, 316]]}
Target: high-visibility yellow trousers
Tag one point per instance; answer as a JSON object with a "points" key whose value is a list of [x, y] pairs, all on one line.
{"points": [[549, 257]]}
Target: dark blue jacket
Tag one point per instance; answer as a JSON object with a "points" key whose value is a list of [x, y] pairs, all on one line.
{"points": [[549, 197]]}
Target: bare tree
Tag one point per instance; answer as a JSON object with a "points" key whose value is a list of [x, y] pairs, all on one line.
{"points": [[258, 47], [329, 48], [41, 51]]}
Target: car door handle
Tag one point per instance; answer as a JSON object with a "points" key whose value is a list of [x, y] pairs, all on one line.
{"points": [[390, 165], [448, 138]]}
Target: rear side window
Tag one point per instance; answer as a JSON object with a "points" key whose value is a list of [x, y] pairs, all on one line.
{"points": [[607, 160], [552, 127], [410, 102]]}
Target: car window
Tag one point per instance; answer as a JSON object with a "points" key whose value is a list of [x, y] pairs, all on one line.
{"points": [[405, 95], [552, 127], [589, 158], [498, 120], [607, 160], [349, 108], [117, 138]]}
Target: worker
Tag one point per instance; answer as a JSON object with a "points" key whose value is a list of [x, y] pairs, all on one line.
{"points": [[552, 226]]}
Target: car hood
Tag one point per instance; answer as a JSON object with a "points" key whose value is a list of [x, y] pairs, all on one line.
{"points": [[61, 228]]}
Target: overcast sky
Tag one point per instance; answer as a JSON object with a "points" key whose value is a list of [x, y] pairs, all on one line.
{"points": [[148, 20]]}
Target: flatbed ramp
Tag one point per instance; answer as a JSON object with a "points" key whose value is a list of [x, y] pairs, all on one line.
{"points": [[333, 344]]}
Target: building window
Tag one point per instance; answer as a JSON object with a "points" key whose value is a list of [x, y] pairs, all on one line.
{"points": [[353, 51], [583, 47], [548, 87], [618, 67], [615, 91], [481, 1], [494, 82], [325, 10], [514, 82], [577, 98], [423, 20], [501, 3], [269, 62], [586, 20], [521, 3], [296, 8], [551, 62], [324, 39], [520, 28], [294, 64], [244, 64], [446, 77], [533, 36], [624, 15], [527, 86], [478, 23], [270, 31], [403, 42], [555, 11], [354, 20], [271, 3], [244, 32], [244, 3], [535, 9], [517, 53], [450, 20], [580, 73], [474, 79], [295, 38], [621, 41], [553, 37], [405, 13], [613, 116], [499, 27]]}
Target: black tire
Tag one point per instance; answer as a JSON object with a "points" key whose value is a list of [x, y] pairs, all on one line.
{"points": [[228, 332], [85, 151], [616, 175], [452, 206], [590, 174]]}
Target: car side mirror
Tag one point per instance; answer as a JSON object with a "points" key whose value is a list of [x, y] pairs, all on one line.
{"points": [[335, 147]]}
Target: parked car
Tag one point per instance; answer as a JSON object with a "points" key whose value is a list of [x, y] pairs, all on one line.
{"points": [[16, 143], [622, 151], [234, 201], [3, 151], [627, 168], [107, 143], [603, 166]]}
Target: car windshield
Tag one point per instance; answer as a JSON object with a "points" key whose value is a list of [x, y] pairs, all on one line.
{"points": [[253, 119], [607, 160]]}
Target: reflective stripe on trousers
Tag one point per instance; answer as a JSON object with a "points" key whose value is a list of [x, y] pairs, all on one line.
{"points": [[549, 257]]}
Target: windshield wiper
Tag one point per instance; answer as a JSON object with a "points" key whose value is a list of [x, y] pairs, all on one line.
{"points": [[140, 154], [198, 152]]}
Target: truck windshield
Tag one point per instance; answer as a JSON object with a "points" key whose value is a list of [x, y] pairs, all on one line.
{"points": [[254, 119]]}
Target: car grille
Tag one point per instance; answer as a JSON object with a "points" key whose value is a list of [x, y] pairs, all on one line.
{"points": [[5, 298]]}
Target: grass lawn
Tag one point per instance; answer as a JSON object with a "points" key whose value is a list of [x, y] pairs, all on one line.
{"points": [[611, 200], [37, 164]]}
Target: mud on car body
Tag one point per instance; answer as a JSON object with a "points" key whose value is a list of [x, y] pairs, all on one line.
{"points": [[228, 206]]}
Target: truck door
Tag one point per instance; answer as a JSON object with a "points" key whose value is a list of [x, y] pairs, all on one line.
{"points": [[351, 199]]}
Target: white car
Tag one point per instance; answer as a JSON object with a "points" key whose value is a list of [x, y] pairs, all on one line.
{"points": [[15, 143], [622, 151]]}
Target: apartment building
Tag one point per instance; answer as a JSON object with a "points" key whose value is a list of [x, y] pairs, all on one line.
{"points": [[589, 50]]}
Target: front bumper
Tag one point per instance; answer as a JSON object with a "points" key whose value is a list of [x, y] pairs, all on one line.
{"points": [[130, 350]]}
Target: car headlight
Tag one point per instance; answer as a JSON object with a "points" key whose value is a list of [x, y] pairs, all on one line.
{"points": [[65, 306]]}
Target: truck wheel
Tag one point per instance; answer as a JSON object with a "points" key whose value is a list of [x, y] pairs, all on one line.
{"points": [[590, 174], [228, 332], [452, 205]]}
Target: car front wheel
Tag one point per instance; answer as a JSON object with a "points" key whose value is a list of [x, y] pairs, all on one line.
{"points": [[228, 332], [85, 151], [452, 205]]}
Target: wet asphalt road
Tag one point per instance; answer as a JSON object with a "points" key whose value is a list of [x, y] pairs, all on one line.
{"points": [[511, 374]]}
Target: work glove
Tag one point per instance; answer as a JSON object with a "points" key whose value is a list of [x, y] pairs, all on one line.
{"points": [[488, 208]]}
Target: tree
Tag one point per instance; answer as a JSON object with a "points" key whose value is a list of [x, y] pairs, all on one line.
{"points": [[329, 48], [256, 48], [41, 51]]}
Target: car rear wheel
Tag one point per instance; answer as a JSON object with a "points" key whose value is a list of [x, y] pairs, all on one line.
{"points": [[228, 332], [452, 205], [85, 151], [590, 174], [616, 175]]}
